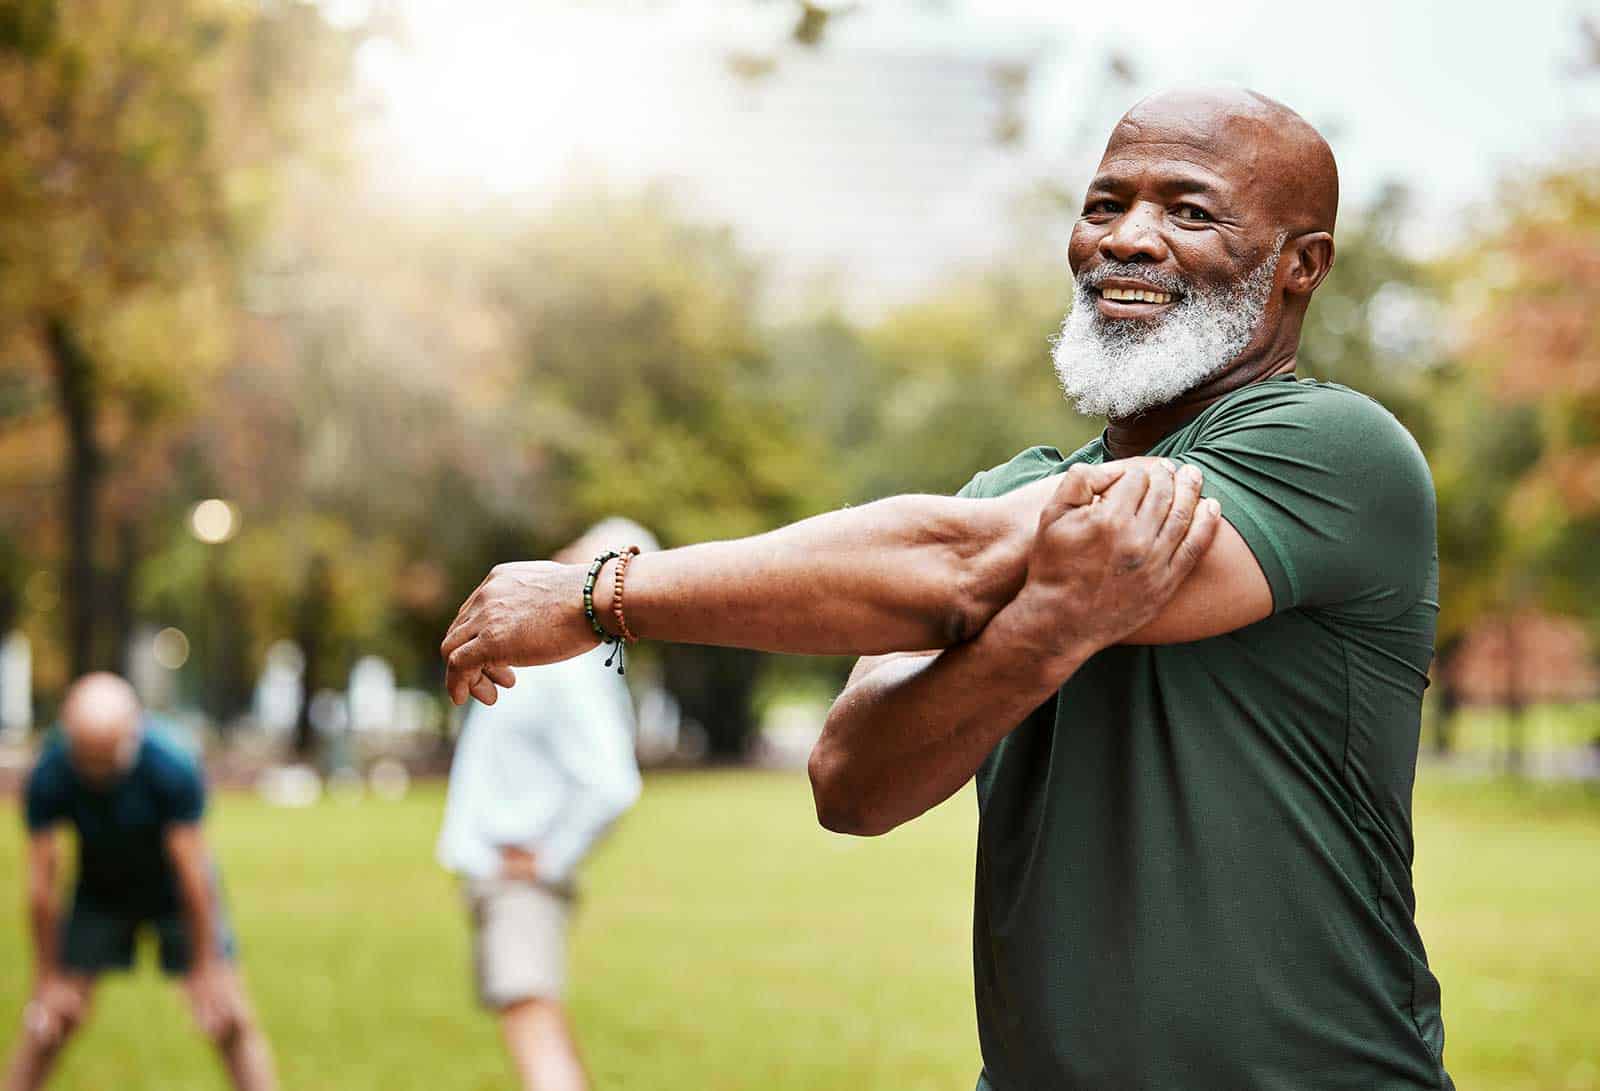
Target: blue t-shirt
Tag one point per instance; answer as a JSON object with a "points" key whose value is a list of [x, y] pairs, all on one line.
{"points": [[122, 859]]}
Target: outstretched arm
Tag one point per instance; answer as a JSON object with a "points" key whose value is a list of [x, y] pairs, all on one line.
{"points": [[906, 573]]}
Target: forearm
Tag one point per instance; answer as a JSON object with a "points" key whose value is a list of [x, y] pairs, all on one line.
{"points": [[196, 896], [44, 918], [200, 918], [908, 734], [909, 572]]}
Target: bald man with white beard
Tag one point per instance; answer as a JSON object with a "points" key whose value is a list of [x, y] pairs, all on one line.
{"points": [[1192, 724], [136, 802]]}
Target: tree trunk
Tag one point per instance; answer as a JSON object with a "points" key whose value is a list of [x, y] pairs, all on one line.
{"points": [[119, 592], [1449, 701], [74, 376], [1516, 702], [714, 687], [311, 622]]}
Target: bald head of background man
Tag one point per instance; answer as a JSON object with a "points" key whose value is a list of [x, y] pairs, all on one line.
{"points": [[102, 722]]}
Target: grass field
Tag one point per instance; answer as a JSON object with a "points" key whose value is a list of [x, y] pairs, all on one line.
{"points": [[728, 943]]}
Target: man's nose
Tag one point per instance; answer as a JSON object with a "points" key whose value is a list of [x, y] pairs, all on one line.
{"points": [[1135, 237]]}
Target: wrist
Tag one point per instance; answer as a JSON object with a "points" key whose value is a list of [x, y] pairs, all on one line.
{"points": [[1027, 636]]}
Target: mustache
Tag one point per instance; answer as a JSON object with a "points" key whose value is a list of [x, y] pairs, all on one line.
{"points": [[1157, 279]]}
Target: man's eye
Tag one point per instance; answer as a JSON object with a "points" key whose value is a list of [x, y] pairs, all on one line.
{"points": [[1192, 212], [1102, 208]]}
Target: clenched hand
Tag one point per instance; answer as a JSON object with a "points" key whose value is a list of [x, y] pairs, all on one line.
{"points": [[523, 614], [1107, 558]]}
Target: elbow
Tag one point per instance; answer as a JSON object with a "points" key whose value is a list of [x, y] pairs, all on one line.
{"points": [[611, 801], [842, 807]]}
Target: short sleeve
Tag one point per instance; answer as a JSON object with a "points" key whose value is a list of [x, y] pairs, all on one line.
{"points": [[183, 793], [973, 490], [1027, 467], [1331, 494], [48, 796]]}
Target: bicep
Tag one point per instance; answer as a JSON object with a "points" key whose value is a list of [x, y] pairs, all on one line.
{"points": [[186, 848], [42, 857], [1226, 591]]}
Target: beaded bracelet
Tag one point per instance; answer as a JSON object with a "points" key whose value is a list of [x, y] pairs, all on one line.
{"points": [[616, 594], [589, 581], [588, 597]]}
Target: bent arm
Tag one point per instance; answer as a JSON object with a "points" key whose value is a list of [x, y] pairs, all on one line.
{"points": [[186, 848], [909, 731], [43, 914]]}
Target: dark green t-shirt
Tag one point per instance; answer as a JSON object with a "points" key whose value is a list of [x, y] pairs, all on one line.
{"points": [[1194, 865]]}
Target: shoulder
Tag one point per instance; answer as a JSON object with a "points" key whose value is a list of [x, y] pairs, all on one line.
{"points": [[51, 774], [49, 788], [1325, 424], [168, 765], [1318, 412], [1025, 468]]}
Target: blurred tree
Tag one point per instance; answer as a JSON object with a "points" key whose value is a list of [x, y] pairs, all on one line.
{"points": [[1526, 295], [139, 143], [362, 430], [962, 381], [647, 387]]}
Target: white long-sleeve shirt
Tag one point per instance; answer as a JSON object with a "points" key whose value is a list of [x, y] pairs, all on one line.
{"points": [[547, 768]]}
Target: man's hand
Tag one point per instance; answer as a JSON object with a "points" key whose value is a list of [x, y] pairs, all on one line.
{"points": [[519, 864], [212, 998], [57, 1005], [1104, 563], [523, 614]]}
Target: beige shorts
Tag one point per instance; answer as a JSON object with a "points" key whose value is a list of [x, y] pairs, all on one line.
{"points": [[519, 940]]}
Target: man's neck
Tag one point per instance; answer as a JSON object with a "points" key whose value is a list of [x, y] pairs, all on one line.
{"points": [[1136, 435]]}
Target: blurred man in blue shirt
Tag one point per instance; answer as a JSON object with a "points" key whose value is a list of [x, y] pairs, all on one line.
{"points": [[136, 802], [537, 778]]}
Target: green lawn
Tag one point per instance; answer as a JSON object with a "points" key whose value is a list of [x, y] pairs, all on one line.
{"points": [[729, 943]]}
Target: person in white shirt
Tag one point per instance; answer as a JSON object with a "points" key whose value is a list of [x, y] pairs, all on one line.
{"points": [[537, 778]]}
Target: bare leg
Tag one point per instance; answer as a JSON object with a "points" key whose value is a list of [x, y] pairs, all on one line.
{"points": [[539, 1038], [45, 1036], [243, 1046]]}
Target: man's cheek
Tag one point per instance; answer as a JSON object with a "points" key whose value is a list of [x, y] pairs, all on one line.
{"points": [[1080, 246]]}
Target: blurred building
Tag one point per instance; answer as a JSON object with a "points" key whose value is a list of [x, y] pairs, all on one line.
{"points": [[886, 152], [889, 160]]}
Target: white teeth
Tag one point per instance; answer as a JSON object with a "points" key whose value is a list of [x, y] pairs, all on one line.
{"points": [[1135, 295]]}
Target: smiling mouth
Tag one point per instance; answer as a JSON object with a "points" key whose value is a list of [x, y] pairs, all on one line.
{"points": [[1135, 295]]}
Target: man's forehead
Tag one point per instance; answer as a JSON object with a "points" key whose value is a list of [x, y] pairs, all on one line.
{"points": [[1236, 143], [1221, 154]]}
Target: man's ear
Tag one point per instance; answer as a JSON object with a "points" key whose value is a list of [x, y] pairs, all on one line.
{"points": [[1310, 258]]}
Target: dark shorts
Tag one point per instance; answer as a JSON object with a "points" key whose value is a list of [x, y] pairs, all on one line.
{"points": [[95, 939]]}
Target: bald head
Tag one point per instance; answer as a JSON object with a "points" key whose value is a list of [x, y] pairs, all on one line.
{"points": [[1285, 163], [100, 717]]}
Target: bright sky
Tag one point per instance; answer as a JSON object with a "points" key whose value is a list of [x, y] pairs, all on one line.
{"points": [[505, 98], [1447, 95]]}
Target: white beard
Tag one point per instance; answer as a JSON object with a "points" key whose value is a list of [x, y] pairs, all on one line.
{"points": [[1119, 368]]}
